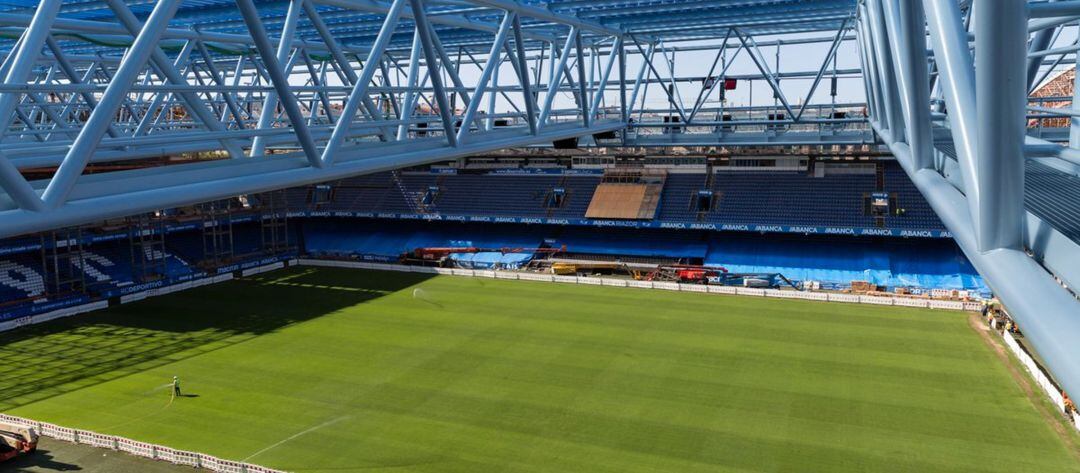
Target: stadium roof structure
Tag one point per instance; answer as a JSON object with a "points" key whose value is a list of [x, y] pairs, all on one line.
{"points": [[272, 94], [358, 22]]}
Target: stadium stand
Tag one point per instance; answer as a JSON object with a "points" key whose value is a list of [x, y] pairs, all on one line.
{"points": [[917, 213], [499, 214], [768, 197], [791, 198], [109, 264], [21, 278], [676, 199], [380, 241]]}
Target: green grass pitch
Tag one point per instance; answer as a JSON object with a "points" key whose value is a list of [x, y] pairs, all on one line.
{"points": [[347, 370]]}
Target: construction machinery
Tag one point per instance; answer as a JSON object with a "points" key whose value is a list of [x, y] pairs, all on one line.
{"points": [[564, 268], [16, 440], [715, 275], [686, 273], [440, 256]]}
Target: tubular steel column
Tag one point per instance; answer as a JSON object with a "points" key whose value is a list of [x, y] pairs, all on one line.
{"points": [[598, 95], [279, 80], [1001, 98], [359, 92], [890, 85], [431, 58], [1074, 123], [957, 79], [912, 58], [1040, 41], [409, 102], [492, 63], [553, 86], [270, 103]]}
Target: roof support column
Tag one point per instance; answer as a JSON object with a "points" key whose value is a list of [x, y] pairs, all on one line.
{"points": [[523, 72], [360, 88], [279, 79], [553, 86], [494, 58], [431, 58], [270, 103], [616, 52], [1001, 99], [875, 25], [907, 28], [583, 98], [957, 80], [646, 57], [1074, 127]]}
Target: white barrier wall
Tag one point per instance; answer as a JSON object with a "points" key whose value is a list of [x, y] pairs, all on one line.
{"points": [[140, 449], [47, 316], [669, 286], [1033, 368]]}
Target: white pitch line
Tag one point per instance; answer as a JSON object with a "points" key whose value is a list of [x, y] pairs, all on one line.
{"points": [[293, 436]]}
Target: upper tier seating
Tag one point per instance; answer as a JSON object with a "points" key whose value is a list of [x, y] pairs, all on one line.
{"points": [[791, 198], [740, 197], [917, 213]]}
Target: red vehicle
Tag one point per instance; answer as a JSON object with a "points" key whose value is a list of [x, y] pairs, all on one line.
{"points": [[686, 273], [698, 274]]}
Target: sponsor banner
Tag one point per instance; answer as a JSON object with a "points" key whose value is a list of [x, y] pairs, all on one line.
{"points": [[725, 227], [26, 310], [19, 248], [547, 171], [254, 263], [24, 247]]}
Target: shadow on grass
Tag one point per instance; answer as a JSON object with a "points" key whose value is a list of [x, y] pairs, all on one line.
{"points": [[47, 360]]}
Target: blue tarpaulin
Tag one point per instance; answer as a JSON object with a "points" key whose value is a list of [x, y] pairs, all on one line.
{"points": [[391, 240], [912, 263], [835, 260], [491, 260], [648, 243]]}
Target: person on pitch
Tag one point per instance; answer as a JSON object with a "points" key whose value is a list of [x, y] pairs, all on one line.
{"points": [[176, 386]]}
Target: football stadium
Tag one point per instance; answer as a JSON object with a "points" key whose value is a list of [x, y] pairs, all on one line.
{"points": [[263, 236]]}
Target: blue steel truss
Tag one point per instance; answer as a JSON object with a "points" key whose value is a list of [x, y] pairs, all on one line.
{"points": [[962, 134], [301, 91], [245, 96]]}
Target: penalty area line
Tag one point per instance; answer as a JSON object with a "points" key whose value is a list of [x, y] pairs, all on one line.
{"points": [[294, 436]]}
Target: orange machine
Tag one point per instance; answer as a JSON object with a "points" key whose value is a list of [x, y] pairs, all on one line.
{"points": [[686, 273]]}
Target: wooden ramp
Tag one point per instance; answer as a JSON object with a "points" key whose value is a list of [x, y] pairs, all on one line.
{"points": [[630, 196]]}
